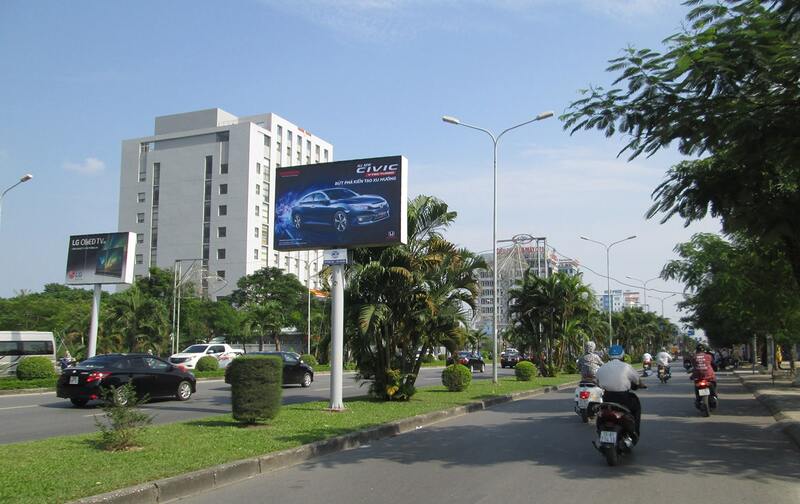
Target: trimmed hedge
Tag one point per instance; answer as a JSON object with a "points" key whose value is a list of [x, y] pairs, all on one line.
{"points": [[525, 371], [309, 359], [207, 363], [32, 368], [428, 358], [255, 387], [456, 377]]}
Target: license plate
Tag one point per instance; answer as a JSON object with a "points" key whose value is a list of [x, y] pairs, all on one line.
{"points": [[704, 392], [73, 380], [583, 403], [608, 437]]}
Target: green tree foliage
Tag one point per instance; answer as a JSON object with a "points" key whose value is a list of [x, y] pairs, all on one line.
{"points": [[402, 301], [725, 89], [255, 387], [271, 300], [456, 377], [133, 321]]}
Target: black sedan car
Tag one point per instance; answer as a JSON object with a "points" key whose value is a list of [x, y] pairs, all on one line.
{"points": [[148, 374], [510, 358], [473, 361], [295, 371], [339, 208]]}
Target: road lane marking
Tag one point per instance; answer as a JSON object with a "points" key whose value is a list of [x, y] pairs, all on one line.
{"points": [[19, 407]]}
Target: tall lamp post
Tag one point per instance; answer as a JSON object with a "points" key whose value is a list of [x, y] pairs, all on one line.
{"points": [[308, 291], [608, 278], [495, 140], [644, 286], [662, 302], [22, 179]]}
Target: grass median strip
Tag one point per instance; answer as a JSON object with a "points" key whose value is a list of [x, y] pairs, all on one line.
{"points": [[69, 467]]}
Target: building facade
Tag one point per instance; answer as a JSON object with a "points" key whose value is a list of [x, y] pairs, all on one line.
{"points": [[201, 190], [619, 300]]}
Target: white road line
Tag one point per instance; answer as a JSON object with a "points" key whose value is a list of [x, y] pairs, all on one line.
{"points": [[20, 407]]}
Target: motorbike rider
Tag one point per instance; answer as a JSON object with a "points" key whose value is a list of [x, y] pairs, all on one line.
{"points": [[617, 378], [589, 363], [703, 368], [663, 359]]}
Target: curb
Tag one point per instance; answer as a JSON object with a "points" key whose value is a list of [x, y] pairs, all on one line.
{"points": [[789, 426], [184, 485], [39, 390]]}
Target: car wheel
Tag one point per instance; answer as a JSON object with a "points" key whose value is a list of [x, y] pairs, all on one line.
{"points": [[119, 398], [79, 402], [483, 368], [297, 220], [306, 380], [184, 391], [340, 221]]}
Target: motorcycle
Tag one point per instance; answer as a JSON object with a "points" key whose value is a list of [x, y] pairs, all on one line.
{"points": [[647, 367], [707, 401], [616, 431], [588, 397], [664, 373]]}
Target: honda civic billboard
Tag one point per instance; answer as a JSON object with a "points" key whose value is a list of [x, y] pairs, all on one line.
{"points": [[344, 204], [105, 258]]}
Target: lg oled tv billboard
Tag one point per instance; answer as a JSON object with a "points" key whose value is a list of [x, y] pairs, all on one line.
{"points": [[344, 204], [105, 258]]}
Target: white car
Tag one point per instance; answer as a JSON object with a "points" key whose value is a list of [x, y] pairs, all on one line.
{"points": [[189, 356]]}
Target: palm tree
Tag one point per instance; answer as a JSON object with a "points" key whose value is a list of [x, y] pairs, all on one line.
{"points": [[133, 321]]}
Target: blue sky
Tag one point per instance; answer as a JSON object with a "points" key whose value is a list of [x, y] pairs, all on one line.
{"points": [[373, 77]]}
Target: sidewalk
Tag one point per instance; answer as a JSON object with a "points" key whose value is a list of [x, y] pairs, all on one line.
{"points": [[780, 398]]}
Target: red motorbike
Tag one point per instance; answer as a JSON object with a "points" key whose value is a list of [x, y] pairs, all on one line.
{"points": [[706, 399]]}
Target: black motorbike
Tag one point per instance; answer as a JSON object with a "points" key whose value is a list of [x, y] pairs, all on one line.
{"points": [[616, 431], [706, 398], [664, 373]]}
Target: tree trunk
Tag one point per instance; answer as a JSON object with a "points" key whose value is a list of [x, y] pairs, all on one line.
{"points": [[260, 342], [792, 250]]}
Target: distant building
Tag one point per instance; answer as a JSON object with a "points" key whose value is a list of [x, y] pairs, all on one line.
{"points": [[619, 300], [631, 299]]}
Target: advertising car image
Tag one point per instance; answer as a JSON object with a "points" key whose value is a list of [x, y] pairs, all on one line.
{"points": [[104, 258], [359, 202]]}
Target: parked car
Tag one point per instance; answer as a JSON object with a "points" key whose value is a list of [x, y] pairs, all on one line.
{"points": [[339, 208], [295, 371], [189, 356], [510, 358], [473, 361], [148, 374]]}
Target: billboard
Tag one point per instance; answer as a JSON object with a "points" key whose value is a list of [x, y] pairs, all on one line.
{"points": [[105, 258], [344, 204]]}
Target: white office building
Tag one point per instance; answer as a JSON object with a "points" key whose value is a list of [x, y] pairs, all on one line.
{"points": [[201, 189]]}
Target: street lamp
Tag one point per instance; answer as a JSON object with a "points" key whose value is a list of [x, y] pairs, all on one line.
{"points": [[608, 277], [662, 302], [495, 140], [22, 179], [308, 289], [644, 285]]}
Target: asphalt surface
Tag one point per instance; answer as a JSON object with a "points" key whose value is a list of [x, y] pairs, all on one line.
{"points": [[537, 450], [36, 416]]}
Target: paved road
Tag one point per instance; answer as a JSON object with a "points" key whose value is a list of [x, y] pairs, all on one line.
{"points": [[36, 416], [537, 450]]}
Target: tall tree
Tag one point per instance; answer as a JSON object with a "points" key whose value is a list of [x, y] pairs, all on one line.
{"points": [[725, 89]]}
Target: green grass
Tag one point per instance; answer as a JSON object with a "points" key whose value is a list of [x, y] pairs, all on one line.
{"points": [[69, 467], [15, 384]]}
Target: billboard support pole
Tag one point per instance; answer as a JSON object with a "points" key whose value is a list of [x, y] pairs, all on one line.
{"points": [[92, 350], [337, 337]]}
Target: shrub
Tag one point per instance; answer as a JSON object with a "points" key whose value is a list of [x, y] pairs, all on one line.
{"points": [[122, 423], [571, 368], [428, 358], [32, 368], [456, 377], [255, 387], [207, 363], [441, 357], [626, 358], [394, 387], [309, 359], [525, 371]]}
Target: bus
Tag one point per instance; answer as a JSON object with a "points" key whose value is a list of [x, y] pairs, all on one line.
{"points": [[16, 345]]}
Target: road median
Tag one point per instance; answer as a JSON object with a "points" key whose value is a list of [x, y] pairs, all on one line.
{"points": [[779, 397]]}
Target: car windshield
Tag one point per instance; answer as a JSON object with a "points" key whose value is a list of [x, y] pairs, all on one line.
{"points": [[337, 194], [196, 349], [463, 354], [99, 361]]}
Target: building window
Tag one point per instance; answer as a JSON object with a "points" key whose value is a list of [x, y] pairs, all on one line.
{"points": [[220, 253], [258, 189], [223, 169], [280, 133], [139, 237], [223, 136], [221, 274], [275, 258], [308, 146], [223, 210], [142, 172], [289, 137], [255, 232], [255, 253], [209, 164], [258, 168], [223, 188], [140, 197], [140, 218], [222, 232], [139, 258], [266, 141], [257, 209], [325, 155]]}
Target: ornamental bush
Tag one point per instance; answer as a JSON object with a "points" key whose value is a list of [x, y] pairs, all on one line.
{"points": [[255, 387], [525, 371], [207, 363], [32, 368], [626, 358], [428, 358], [309, 359], [441, 357], [456, 377]]}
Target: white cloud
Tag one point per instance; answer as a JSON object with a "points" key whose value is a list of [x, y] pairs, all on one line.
{"points": [[90, 166]]}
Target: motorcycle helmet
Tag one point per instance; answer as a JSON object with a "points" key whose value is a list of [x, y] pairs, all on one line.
{"points": [[700, 347], [589, 346], [616, 352]]}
